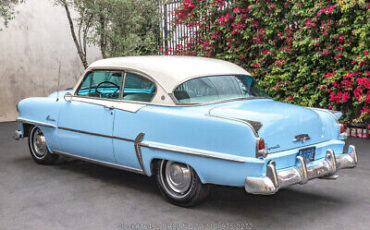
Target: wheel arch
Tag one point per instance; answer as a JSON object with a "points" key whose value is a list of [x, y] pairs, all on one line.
{"points": [[155, 162]]}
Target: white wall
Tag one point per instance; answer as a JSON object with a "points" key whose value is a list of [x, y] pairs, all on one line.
{"points": [[30, 50]]}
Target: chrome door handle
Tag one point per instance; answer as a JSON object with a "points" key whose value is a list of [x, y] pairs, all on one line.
{"points": [[109, 107]]}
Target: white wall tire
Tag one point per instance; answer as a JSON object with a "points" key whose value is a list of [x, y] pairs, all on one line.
{"points": [[179, 183], [38, 147]]}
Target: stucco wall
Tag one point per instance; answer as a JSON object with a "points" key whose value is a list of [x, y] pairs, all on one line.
{"points": [[30, 50]]}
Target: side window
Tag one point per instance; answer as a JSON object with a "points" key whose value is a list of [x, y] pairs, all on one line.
{"points": [[138, 88], [101, 84]]}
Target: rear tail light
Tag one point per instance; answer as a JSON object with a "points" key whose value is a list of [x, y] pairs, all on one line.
{"points": [[261, 143], [342, 132], [261, 150], [342, 128]]}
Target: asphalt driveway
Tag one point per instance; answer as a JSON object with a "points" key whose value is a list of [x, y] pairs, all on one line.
{"points": [[79, 195]]}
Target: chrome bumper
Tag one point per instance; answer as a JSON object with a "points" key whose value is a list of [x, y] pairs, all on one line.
{"points": [[301, 173], [17, 134]]}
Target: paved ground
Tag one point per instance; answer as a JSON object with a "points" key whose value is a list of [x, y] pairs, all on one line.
{"points": [[78, 195]]}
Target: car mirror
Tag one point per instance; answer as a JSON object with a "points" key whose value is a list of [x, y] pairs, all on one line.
{"points": [[68, 97]]}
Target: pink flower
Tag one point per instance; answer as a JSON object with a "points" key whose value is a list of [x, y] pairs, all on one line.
{"points": [[329, 9], [236, 10]]}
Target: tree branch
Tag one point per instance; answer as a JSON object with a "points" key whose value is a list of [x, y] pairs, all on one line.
{"points": [[81, 54]]}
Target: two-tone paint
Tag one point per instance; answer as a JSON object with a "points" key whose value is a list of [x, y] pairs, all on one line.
{"points": [[217, 140]]}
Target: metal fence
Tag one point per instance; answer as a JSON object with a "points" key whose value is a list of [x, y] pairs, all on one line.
{"points": [[175, 37]]}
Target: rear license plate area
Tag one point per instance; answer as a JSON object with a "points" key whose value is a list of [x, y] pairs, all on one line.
{"points": [[308, 154]]}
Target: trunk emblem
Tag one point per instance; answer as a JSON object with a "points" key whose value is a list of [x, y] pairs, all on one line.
{"points": [[301, 137]]}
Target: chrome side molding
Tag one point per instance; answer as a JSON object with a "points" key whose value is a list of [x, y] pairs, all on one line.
{"points": [[31, 122], [104, 163], [301, 173], [137, 142], [253, 125], [192, 151]]}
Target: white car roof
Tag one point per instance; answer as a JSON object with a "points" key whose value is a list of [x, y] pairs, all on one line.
{"points": [[170, 71]]}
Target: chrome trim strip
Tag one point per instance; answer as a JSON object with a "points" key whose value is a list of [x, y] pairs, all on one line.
{"points": [[137, 142], [104, 163], [191, 151], [124, 73], [301, 173], [327, 111], [31, 122], [237, 120], [96, 134], [109, 103], [168, 147], [217, 75]]}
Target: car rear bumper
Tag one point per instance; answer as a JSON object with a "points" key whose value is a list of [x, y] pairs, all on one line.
{"points": [[17, 134], [301, 173]]}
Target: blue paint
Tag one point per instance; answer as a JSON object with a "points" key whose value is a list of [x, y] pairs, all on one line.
{"points": [[187, 126]]}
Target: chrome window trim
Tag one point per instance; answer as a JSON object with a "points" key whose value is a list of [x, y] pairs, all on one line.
{"points": [[124, 72], [215, 102], [172, 95], [143, 76], [111, 104], [159, 86], [123, 80], [85, 75], [104, 163]]}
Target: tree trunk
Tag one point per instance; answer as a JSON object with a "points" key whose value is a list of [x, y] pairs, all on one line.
{"points": [[102, 36], [80, 51]]}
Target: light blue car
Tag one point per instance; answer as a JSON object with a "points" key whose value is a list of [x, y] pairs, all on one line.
{"points": [[187, 121]]}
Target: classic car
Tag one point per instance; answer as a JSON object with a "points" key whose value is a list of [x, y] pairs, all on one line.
{"points": [[187, 121]]}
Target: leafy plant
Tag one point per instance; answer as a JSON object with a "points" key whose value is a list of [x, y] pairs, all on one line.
{"points": [[307, 52], [118, 27], [7, 11]]}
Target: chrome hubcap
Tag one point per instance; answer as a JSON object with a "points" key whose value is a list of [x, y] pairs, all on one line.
{"points": [[39, 144], [178, 177]]}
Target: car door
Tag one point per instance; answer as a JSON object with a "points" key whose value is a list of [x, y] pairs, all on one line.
{"points": [[85, 124], [138, 91]]}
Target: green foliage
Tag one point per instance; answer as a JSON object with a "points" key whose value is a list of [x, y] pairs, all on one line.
{"points": [[119, 27], [7, 11], [307, 52]]}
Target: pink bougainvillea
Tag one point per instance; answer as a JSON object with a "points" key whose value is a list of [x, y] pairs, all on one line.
{"points": [[307, 52]]}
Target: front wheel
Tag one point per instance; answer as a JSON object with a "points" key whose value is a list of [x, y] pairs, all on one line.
{"points": [[180, 184], [38, 148]]}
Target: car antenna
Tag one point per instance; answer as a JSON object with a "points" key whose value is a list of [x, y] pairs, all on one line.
{"points": [[58, 82]]}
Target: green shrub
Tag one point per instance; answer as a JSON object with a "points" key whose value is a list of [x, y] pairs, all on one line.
{"points": [[308, 52]]}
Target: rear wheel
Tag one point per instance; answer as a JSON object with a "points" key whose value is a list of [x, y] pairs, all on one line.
{"points": [[38, 148], [180, 184]]}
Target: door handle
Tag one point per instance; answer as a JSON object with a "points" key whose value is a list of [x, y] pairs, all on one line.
{"points": [[109, 107]]}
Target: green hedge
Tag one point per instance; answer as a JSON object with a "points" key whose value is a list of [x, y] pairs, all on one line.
{"points": [[311, 53]]}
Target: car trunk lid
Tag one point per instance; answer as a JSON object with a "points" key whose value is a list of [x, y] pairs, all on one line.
{"points": [[284, 126]]}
